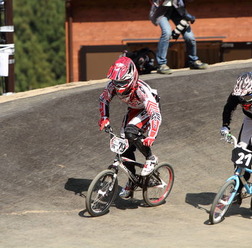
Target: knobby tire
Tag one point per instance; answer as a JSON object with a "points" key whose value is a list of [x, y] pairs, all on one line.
{"points": [[158, 185], [101, 194], [220, 206]]}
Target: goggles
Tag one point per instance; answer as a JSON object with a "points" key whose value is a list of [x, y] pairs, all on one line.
{"points": [[121, 83], [246, 98]]}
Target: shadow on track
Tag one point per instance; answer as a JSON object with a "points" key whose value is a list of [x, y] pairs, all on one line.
{"points": [[77, 185], [80, 187], [198, 199], [206, 199]]}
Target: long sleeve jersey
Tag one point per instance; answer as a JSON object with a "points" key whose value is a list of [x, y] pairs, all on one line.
{"points": [[141, 98], [230, 107]]}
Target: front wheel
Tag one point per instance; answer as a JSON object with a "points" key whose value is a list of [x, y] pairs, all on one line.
{"points": [[101, 193], [222, 202], [158, 185]]}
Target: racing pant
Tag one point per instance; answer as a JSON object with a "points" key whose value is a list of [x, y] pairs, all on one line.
{"points": [[135, 124], [245, 140]]}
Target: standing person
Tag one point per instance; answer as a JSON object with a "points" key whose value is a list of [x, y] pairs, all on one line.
{"points": [[143, 115], [162, 11], [242, 94]]}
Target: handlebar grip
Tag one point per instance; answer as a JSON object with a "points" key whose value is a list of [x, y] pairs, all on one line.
{"points": [[108, 129]]}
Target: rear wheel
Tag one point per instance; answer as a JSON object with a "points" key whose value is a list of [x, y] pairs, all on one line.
{"points": [[158, 185], [101, 193], [222, 202]]}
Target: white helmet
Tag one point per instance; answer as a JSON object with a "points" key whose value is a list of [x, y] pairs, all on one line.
{"points": [[243, 85]]}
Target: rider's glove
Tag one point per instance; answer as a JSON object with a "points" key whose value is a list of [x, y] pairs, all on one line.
{"points": [[224, 131], [103, 122], [148, 141]]}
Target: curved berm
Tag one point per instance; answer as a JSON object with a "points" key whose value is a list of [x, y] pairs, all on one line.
{"points": [[51, 149]]}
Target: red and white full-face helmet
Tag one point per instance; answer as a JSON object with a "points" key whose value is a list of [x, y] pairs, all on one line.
{"points": [[124, 76]]}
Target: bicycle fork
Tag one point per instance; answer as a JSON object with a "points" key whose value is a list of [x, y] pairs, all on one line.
{"points": [[234, 192], [238, 178], [113, 182]]}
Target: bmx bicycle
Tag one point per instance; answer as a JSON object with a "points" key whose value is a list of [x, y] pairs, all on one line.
{"points": [[227, 194], [104, 187]]}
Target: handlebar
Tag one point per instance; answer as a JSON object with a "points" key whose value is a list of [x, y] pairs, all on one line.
{"points": [[108, 129], [229, 138], [233, 140]]}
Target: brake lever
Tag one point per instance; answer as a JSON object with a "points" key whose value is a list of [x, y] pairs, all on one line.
{"points": [[227, 138], [108, 129]]}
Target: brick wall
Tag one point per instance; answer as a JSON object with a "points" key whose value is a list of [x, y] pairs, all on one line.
{"points": [[100, 23]]}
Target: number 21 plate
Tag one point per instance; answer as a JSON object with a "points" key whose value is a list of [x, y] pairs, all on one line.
{"points": [[241, 157]]}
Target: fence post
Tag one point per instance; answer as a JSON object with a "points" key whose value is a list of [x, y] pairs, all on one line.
{"points": [[6, 6]]}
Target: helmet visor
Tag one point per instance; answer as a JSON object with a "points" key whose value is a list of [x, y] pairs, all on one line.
{"points": [[122, 83], [246, 98]]}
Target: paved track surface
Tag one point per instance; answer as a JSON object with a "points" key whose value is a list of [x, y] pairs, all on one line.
{"points": [[50, 149]]}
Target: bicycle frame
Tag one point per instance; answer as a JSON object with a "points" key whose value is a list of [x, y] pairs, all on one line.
{"points": [[245, 184], [103, 189], [225, 197], [239, 172], [120, 148], [119, 164]]}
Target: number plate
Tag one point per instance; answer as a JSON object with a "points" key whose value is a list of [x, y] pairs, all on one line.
{"points": [[241, 158], [119, 145]]}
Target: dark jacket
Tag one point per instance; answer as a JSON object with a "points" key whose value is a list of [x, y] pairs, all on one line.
{"points": [[230, 107], [158, 10]]}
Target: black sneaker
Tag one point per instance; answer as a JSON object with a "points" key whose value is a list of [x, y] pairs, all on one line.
{"points": [[197, 64], [238, 199], [164, 69]]}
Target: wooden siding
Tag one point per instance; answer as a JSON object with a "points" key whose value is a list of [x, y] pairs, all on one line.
{"points": [[97, 23]]}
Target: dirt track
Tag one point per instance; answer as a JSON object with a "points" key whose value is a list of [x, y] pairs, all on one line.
{"points": [[51, 148]]}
